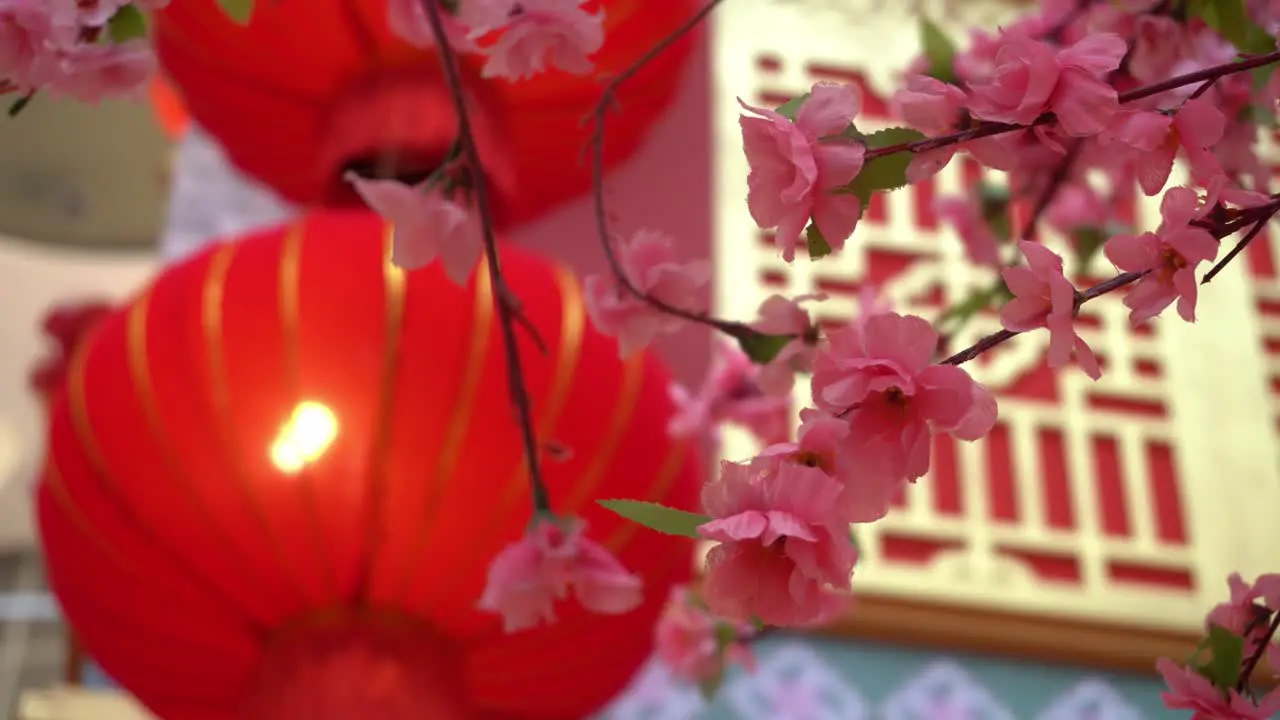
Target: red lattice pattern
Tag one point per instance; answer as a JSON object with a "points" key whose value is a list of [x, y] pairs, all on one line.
{"points": [[1030, 506]]}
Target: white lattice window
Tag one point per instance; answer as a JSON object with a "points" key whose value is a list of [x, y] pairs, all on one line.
{"points": [[1128, 499]]}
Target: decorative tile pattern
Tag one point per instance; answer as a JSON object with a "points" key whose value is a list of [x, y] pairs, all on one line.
{"points": [[943, 691], [655, 695], [1091, 700], [795, 683]]}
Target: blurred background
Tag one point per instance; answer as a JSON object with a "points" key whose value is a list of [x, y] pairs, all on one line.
{"points": [[1037, 574]]}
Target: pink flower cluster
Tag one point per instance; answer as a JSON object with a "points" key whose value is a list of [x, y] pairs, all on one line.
{"points": [[553, 559], [648, 259], [519, 38], [694, 644], [54, 46], [1055, 102], [1068, 95], [785, 555], [1247, 615]]}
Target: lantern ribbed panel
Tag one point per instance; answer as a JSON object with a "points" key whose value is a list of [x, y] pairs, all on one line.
{"points": [[180, 543]]}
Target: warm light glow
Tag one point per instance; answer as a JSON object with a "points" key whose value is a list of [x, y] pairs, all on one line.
{"points": [[304, 437]]}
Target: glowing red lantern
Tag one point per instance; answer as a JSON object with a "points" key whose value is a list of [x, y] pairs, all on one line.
{"points": [[277, 476], [310, 88]]}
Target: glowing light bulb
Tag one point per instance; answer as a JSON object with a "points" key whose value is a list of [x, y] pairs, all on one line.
{"points": [[304, 437]]}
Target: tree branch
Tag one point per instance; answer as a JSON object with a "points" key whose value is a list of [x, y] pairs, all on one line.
{"points": [[505, 299], [599, 116]]}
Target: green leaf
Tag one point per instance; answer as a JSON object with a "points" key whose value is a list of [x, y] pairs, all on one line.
{"points": [[1223, 669], [1259, 77], [239, 11], [1088, 241], [853, 133], [665, 520], [939, 50], [888, 172], [726, 635], [995, 201], [977, 301], [816, 243], [789, 108], [127, 24], [1192, 659], [1231, 20], [1260, 115], [762, 348]]}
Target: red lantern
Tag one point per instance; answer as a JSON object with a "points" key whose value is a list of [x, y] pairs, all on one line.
{"points": [[277, 476], [312, 87]]}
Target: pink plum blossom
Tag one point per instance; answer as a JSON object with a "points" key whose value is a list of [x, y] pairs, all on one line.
{"points": [[881, 379], [552, 559], [780, 316], [964, 214], [1220, 190], [820, 443], [783, 558], [1076, 206], [1031, 78], [1154, 139], [870, 304], [1265, 13], [731, 392], [428, 226], [45, 45], [93, 73], [1044, 297], [534, 33], [1189, 690], [648, 260], [1169, 258], [1243, 613], [32, 34], [934, 108], [408, 21], [1158, 44], [689, 640], [96, 13], [796, 167]]}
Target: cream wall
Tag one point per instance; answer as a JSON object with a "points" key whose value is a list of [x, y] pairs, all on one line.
{"points": [[79, 704], [32, 279]]}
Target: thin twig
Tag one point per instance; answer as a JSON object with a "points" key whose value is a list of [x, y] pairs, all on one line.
{"points": [[997, 338], [596, 144], [1240, 246], [989, 341], [1251, 663], [508, 309]]}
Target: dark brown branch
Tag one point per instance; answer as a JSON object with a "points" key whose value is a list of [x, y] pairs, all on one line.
{"points": [[997, 338], [1251, 663], [1260, 216], [1254, 232], [508, 306], [596, 145]]}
